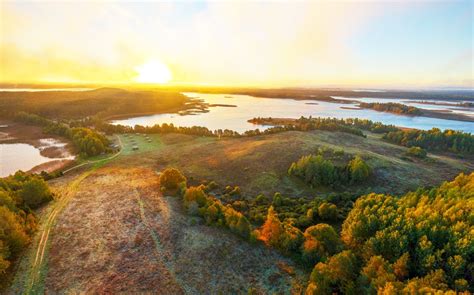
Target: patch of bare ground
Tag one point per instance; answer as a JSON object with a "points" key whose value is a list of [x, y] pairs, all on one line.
{"points": [[120, 235], [51, 166]]}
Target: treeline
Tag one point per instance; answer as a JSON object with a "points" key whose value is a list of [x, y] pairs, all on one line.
{"points": [[391, 107], [19, 194], [326, 124], [87, 141], [434, 140], [318, 170], [419, 243]]}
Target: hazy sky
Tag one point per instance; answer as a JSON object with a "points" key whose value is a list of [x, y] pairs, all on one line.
{"points": [[312, 43]]}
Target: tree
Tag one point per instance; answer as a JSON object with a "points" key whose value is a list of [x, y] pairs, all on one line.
{"points": [[359, 170], [327, 211], [35, 192], [170, 178], [320, 242], [272, 229]]}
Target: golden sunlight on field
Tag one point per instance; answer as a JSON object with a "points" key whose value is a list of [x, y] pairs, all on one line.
{"points": [[153, 72]]}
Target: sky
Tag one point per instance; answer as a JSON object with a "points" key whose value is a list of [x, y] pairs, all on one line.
{"points": [[399, 44]]}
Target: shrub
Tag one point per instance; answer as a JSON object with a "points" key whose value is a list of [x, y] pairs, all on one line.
{"points": [[35, 192], [170, 178], [194, 198], [417, 152]]}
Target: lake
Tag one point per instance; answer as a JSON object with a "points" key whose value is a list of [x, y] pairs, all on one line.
{"points": [[21, 156], [248, 107]]}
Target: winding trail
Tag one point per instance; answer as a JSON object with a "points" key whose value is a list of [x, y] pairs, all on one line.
{"points": [[36, 273]]}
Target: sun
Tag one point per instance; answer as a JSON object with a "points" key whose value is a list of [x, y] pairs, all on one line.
{"points": [[153, 71]]}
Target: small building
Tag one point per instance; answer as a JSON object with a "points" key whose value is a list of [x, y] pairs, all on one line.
{"points": [[135, 148]]}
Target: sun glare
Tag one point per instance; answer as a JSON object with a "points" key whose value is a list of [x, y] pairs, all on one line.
{"points": [[153, 72]]}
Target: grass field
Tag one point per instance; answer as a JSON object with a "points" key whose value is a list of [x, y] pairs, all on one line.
{"points": [[115, 233], [144, 142], [259, 164]]}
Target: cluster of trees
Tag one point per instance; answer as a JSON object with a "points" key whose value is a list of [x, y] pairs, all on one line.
{"points": [[307, 124], [19, 194], [318, 171], [434, 140], [87, 141], [350, 125], [198, 202], [419, 243], [391, 107]]}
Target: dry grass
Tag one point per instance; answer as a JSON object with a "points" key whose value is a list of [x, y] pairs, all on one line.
{"points": [[259, 164], [119, 235]]}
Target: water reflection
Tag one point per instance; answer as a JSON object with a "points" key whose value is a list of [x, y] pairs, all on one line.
{"points": [[235, 118]]}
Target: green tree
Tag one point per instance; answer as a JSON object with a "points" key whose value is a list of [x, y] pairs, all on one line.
{"points": [[35, 192], [320, 242], [359, 170]]}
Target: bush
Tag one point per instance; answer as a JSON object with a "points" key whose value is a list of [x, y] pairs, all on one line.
{"points": [[170, 178], [35, 192], [194, 198], [417, 152]]}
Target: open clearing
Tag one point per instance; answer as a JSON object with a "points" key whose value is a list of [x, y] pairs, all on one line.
{"points": [[259, 164], [120, 235]]}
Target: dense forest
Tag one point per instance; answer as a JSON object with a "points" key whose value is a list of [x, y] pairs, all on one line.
{"points": [[434, 140], [19, 195], [102, 102], [391, 107], [417, 243]]}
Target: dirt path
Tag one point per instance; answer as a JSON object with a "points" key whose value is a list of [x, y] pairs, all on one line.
{"points": [[32, 281]]}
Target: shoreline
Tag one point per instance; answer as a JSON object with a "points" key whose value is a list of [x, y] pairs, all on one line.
{"points": [[59, 152]]}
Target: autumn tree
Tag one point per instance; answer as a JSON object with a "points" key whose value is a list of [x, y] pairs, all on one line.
{"points": [[170, 178], [320, 242]]}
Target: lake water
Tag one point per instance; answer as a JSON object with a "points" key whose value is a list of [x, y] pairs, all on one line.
{"points": [[248, 107], [21, 156]]}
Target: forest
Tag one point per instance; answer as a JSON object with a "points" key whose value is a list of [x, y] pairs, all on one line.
{"points": [[434, 140], [420, 242], [101, 102], [20, 194]]}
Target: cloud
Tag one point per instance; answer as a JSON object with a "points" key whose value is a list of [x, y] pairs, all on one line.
{"points": [[244, 43]]}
